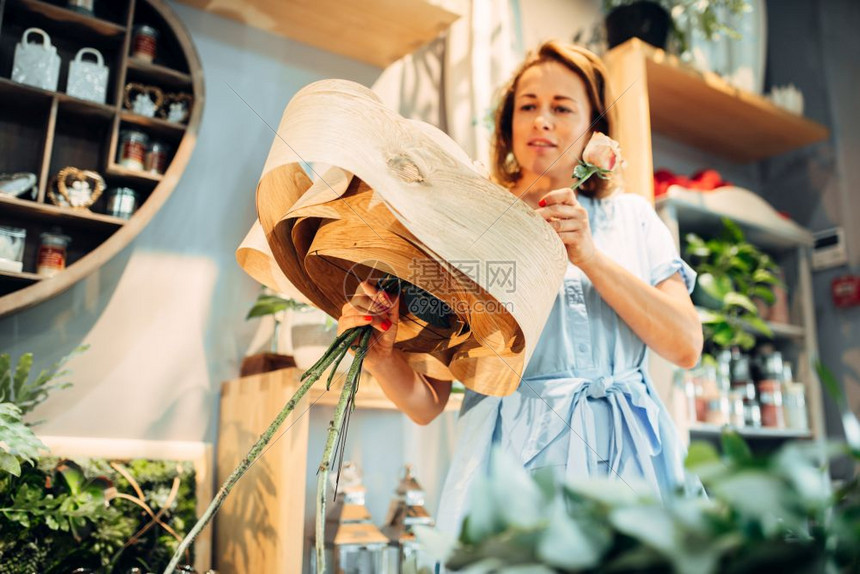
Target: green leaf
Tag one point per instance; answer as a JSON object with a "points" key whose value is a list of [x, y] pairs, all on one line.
{"points": [[438, 544], [9, 463], [22, 371], [756, 324], [714, 286], [734, 299], [16, 438], [566, 545], [701, 453], [735, 448], [850, 424], [764, 276], [709, 317], [733, 231], [764, 293], [723, 335]]}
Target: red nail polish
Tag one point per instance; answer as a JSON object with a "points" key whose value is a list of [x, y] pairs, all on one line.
{"points": [[368, 318], [542, 203], [386, 325]]}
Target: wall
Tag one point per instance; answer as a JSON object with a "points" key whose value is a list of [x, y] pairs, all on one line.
{"points": [[815, 186], [165, 318]]}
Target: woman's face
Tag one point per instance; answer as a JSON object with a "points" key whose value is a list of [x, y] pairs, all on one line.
{"points": [[550, 125]]}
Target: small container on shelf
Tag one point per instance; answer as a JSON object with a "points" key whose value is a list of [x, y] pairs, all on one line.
{"points": [[144, 43], [82, 6], [737, 418], [794, 402], [157, 158], [52, 253], [132, 149], [718, 411], [122, 202], [88, 80], [12, 248], [18, 184], [770, 395], [36, 64], [770, 372]]}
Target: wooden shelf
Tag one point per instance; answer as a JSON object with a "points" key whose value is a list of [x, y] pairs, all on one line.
{"points": [[21, 276], [158, 74], [42, 131], [75, 105], [369, 396], [44, 212], [781, 331], [260, 527], [702, 212], [750, 433], [703, 110], [132, 174], [158, 126], [377, 32], [80, 23], [14, 89]]}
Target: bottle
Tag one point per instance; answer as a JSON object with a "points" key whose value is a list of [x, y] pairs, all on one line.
{"points": [[771, 371], [794, 402]]}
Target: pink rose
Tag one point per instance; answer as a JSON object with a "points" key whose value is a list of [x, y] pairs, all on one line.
{"points": [[602, 151]]}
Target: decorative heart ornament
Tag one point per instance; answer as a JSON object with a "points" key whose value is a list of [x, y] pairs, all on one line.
{"points": [[143, 100], [176, 107], [77, 188]]}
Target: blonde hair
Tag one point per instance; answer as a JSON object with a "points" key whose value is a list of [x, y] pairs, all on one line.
{"points": [[591, 70]]}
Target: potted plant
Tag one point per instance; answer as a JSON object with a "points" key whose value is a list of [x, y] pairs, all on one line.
{"points": [[301, 333], [654, 20], [276, 306], [732, 275]]}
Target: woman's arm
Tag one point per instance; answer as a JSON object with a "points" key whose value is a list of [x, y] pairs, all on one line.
{"points": [[420, 397], [663, 316]]}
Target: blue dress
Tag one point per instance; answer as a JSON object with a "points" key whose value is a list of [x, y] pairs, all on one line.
{"points": [[585, 405]]}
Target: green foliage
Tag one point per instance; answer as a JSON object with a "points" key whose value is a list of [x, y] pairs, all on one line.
{"points": [[731, 273], [269, 304], [773, 513], [17, 388], [73, 512], [17, 442]]}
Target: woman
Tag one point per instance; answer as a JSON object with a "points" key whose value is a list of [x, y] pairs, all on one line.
{"points": [[585, 405]]}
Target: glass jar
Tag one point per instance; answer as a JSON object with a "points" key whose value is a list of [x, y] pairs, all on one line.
{"points": [[132, 149], [737, 417], [144, 43], [12, 248], [718, 411], [121, 202], [752, 414], [770, 399], [794, 404], [156, 158], [724, 370], [82, 6], [51, 258]]}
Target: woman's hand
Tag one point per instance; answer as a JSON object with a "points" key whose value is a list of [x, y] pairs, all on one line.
{"points": [[570, 220], [372, 306]]}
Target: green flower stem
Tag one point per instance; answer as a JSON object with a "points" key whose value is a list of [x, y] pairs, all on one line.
{"points": [[310, 377], [350, 387]]}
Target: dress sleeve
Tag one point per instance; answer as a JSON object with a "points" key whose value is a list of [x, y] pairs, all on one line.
{"points": [[663, 257]]}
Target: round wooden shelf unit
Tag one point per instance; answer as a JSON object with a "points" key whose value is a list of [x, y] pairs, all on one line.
{"points": [[43, 131]]}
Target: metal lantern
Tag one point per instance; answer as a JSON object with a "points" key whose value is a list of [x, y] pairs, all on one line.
{"points": [[353, 544], [406, 511]]}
